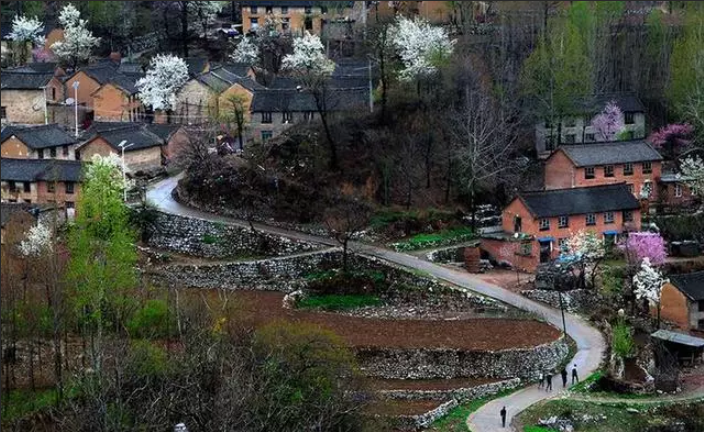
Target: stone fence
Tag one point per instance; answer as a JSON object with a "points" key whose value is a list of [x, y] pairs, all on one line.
{"points": [[207, 239], [579, 300], [460, 394]]}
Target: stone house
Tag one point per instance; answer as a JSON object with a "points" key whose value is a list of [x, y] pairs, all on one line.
{"points": [[37, 142], [26, 94], [276, 110], [550, 134], [682, 300], [536, 225], [41, 181], [295, 17], [147, 146], [210, 96], [635, 163]]}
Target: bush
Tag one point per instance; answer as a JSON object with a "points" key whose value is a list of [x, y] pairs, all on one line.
{"points": [[437, 239], [622, 343], [150, 321], [681, 227], [335, 282], [210, 239]]}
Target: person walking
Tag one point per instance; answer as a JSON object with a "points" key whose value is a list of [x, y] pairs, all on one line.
{"points": [[575, 377], [564, 377], [503, 417], [548, 385], [541, 380]]}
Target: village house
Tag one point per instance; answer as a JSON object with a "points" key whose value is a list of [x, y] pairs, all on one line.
{"points": [[635, 163], [40, 181], [276, 110], [295, 17], [37, 142], [26, 94], [116, 101], [146, 146], [549, 135], [682, 300], [537, 225]]}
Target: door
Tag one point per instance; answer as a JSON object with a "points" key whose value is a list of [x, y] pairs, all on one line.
{"points": [[545, 251]]}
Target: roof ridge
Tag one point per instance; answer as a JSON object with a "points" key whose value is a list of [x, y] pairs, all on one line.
{"points": [[602, 186]]}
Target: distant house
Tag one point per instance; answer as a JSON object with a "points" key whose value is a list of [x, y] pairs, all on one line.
{"points": [[577, 129], [674, 193], [295, 17], [275, 110], [197, 65], [635, 163], [682, 300], [40, 181], [147, 146], [37, 142], [25, 95], [536, 225], [116, 101]]}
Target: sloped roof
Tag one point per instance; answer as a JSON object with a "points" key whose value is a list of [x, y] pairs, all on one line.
{"points": [[140, 135], [610, 153], [334, 82], [40, 170], [9, 209], [102, 72], [678, 338], [28, 80], [38, 137], [239, 69], [291, 100], [41, 67], [628, 102], [595, 199], [691, 284], [196, 65]]}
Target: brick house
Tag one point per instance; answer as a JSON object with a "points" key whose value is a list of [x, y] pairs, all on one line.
{"points": [[635, 163], [577, 129], [25, 95], [295, 17], [152, 145], [682, 300], [37, 142], [536, 224], [673, 193], [40, 181], [106, 71], [116, 100], [276, 110]]}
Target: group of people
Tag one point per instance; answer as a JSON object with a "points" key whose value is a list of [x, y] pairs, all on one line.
{"points": [[545, 380]]}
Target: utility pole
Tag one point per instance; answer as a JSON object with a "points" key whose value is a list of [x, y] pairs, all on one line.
{"points": [[75, 103]]}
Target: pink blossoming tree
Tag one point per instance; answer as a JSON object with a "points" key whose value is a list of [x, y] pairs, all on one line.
{"points": [[672, 138], [641, 245], [608, 123]]}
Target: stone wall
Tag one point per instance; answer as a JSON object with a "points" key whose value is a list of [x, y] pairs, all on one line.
{"points": [[459, 394], [438, 363], [454, 254], [579, 300], [212, 240]]}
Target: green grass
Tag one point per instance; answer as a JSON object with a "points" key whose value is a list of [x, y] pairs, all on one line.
{"points": [[339, 302], [440, 235], [536, 429], [456, 419], [210, 239], [23, 403], [583, 386]]}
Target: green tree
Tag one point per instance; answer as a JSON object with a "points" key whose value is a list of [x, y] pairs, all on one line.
{"points": [[103, 254]]}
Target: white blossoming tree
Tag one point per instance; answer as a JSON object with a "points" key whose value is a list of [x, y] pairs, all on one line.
{"points": [[588, 249], [25, 31], [647, 284], [37, 242], [692, 171], [165, 76], [421, 47], [78, 41], [246, 52]]}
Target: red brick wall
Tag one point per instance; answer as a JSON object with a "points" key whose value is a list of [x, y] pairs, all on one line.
{"points": [[559, 172], [674, 307], [59, 196], [666, 194], [496, 249]]}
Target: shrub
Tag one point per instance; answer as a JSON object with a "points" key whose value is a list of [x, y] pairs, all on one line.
{"points": [[681, 227], [210, 239], [150, 321], [361, 282], [437, 239], [622, 343]]}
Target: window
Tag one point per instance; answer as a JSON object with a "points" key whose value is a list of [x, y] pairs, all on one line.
{"points": [[308, 115], [51, 187], [288, 117], [678, 190], [284, 10], [590, 137], [700, 325], [608, 171], [630, 188], [52, 152], [266, 117], [308, 10], [628, 169], [647, 167], [591, 219], [77, 154], [517, 224], [12, 186], [269, 9], [3, 112], [285, 24], [550, 143], [254, 23], [267, 134], [69, 188], [589, 173], [27, 186], [562, 244], [570, 139], [253, 10], [70, 205], [28, 201], [563, 222], [53, 93], [64, 150], [628, 117], [40, 153], [609, 217], [627, 216], [525, 249], [544, 224], [308, 23], [12, 200]]}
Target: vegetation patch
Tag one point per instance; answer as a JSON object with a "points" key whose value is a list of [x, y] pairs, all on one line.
{"points": [[23, 403], [339, 302], [341, 283], [429, 240], [456, 419]]}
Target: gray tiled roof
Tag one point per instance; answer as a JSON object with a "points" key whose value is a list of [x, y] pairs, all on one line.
{"points": [[38, 137], [239, 69], [196, 65], [291, 100], [679, 338], [139, 134], [691, 284], [16, 80], [608, 153], [596, 199], [334, 82], [628, 102], [40, 170]]}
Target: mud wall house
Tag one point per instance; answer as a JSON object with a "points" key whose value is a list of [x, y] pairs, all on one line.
{"points": [[15, 220], [37, 142], [682, 300], [41, 181], [25, 95], [577, 129], [536, 225], [635, 163], [295, 17]]}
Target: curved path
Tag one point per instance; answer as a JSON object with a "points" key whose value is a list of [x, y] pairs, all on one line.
{"points": [[590, 343]]}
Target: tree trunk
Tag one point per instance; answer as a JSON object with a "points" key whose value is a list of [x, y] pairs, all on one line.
{"points": [[344, 255], [334, 162]]}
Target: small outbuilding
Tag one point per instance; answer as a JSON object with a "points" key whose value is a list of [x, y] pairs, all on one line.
{"points": [[687, 348]]}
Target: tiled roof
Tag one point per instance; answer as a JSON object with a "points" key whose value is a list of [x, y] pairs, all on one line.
{"points": [[196, 65], [291, 100], [41, 67], [334, 82], [40, 170], [139, 134], [596, 199], [608, 153], [691, 284], [16, 80], [678, 338], [38, 137], [240, 69], [628, 102]]}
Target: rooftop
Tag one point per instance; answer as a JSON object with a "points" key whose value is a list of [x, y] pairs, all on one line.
{"points": [[679, 338], [38, 136], [141, 135], [292, 100], [607, 153], [29, 170], [573, 201], [691, 284], [24, 79]]}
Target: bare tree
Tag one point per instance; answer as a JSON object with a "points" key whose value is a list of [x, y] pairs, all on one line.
{"points": [[345, 220]]}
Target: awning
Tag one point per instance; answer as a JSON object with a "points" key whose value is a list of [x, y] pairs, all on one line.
{"points": [[546, 239], [679, 338], [611, 232]]}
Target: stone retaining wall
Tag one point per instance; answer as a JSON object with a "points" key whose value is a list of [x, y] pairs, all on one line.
{"points": [[207, 239], [453, 254], [574, 301], [460, 394], [438, 363]]}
